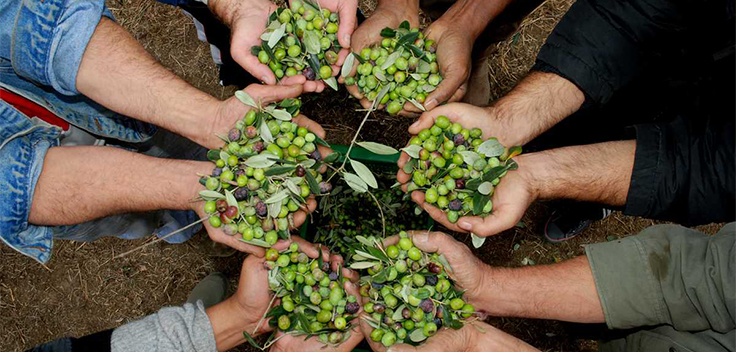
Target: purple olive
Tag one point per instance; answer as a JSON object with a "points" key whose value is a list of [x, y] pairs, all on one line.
{"points": [[406, 313], [456, 204], [460, 184], [352, 307], [333, 276], [241, 194], [261, 209], [458, 139], [427, 305], [300, 171], [431, 279], [234, 134], [325, 187], [309, 74], [257, 147], [316, 155], [221, 205], [379, 308], [434, 268], [217, 172], [251, 132]]}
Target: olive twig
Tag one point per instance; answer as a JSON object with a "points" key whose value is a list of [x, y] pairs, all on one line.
{"points": [[160, 239]]}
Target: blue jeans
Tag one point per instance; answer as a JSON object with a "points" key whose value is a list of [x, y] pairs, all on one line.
{"points": [[41, 45]]}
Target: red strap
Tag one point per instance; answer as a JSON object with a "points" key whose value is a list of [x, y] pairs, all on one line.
{"points": [[32, 109]]}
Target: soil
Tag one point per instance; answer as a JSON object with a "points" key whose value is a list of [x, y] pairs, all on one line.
{"points": [[82, 290]]}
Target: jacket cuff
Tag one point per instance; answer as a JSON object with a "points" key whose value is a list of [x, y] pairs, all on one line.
{"points": [[647, 170], [50, 38], [626, 283], [23, 147]]}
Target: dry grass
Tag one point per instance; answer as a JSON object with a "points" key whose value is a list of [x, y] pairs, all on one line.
{"points": [[82, 290]]}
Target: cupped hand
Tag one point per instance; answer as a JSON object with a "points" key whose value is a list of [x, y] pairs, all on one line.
{"points": [[369, 33], [291, 343], [476, 336]]}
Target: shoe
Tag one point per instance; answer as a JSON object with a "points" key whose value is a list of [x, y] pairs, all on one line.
{"points": [[211, 290], [567, 222]]}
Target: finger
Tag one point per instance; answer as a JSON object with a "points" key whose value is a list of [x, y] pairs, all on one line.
{"points": [[336, 262], [351, 275], [344, 52], [234, 242], [251, 64], [391, 240], [367, 329], [459, 93], [434, 212], [401, 176], [447, 340], [495, 223], [354, 91], [455, 73], [433, 242], [301, 216], [347, 11], [290, 81], [310, 124], [271, 94], [310, 86], [426, 120]]}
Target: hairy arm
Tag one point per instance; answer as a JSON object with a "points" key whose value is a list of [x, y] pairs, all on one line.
{"points": [[594, 173], [474, 15], [83, 183], [537, 103], [118, 73], [564, 291]]}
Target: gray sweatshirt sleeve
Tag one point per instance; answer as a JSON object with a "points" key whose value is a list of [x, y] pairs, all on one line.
{"points": [[668, 275], [171, 329]]}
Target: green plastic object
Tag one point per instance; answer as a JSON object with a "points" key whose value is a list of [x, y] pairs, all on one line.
{"points": [[364, 155]]}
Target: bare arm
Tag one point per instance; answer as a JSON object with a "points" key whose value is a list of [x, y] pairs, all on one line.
{"points": [[80, 184], [537, 103], [564, 291], [118, 73]]}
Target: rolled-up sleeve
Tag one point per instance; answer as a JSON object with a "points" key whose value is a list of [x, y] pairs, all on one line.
{"points": [[48, 38], [668, 275], [23, 147]]}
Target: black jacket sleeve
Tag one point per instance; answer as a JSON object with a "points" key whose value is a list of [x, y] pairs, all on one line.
{"points": [[684, 171], [602, 45]]}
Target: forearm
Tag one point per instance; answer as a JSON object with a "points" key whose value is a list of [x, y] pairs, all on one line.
{"points": [[474, 15], [228, 327], [537, 103], [564, 291], [228, 10], [80, 184], [594, 173], [404, 5], [119, 74]]}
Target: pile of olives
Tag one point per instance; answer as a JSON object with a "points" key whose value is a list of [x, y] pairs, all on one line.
{"points": [[456, 168], [300, 40], [263, 174], [313, 299], [408, 294], [404, 61]]}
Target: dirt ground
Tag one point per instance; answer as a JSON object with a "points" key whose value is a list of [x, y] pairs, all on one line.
{"points": [[83, 290]]}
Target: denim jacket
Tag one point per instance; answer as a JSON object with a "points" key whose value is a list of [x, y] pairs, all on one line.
{"points": [[41, 48]]}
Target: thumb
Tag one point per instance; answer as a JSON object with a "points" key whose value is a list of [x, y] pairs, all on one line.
{"points": [[455, 74], [492, 224], [270, 94], [403, 348], [347, 11]]}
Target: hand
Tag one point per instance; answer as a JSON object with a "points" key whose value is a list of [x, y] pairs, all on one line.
{"points": [[476, 336], [346, 10], [369, 33], [247, 20], [454, 49]]}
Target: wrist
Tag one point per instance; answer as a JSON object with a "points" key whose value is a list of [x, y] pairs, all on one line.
{"points": [[229, 321], [473, 16], [402, 10]]}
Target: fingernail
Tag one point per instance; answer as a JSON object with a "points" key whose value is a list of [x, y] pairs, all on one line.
{"points": [[263, 79], [346, 37], [430, 104], [415, 124], [465, 225]]}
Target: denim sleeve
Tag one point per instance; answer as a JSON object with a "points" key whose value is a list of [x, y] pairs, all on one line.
{"points": [[23, 146], [45, 40]]}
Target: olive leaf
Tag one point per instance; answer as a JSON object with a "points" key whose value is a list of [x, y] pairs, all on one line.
{"points": [[276, 35], [256, 242], [362, 265], [363, 240], [292, 187], [428, 88], [413, 150], [332, 82], [266, 133], [477, 240], [490, 148], [418, 210], [231, 201], [391, 59], [280, 114], [224, 155], [378, 148], [275, 208], [376, 325], [312, 182], [485, 188], [416, 76], [417, 335], [469, 157], [308, 163], [380, 76], [380, 95], [417, 104], [409, 166], [260, 161], [398, 313], [273, 25], [245, 98], [278, 170], [207, 194], [423, 67], [279, 196], [366, 255], [355, 182], [266, 36], [213, 155], [445, 263], [311, 41], [347, 65], [407, 39], [364, 173]]}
